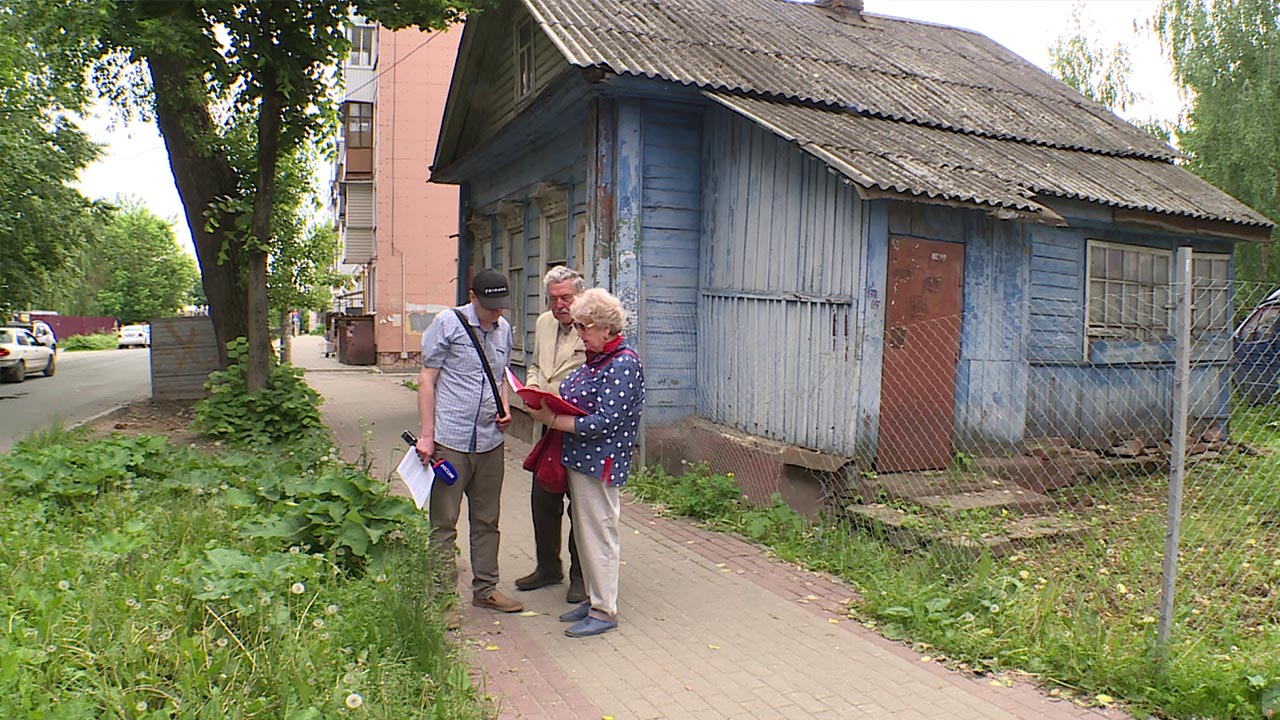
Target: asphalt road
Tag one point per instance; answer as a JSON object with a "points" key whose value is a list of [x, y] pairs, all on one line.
{"points": [[86, 383]]}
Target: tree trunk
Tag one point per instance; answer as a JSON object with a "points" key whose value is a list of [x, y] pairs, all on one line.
{"points": [[286, 337], [202, 175], [269, 121]]}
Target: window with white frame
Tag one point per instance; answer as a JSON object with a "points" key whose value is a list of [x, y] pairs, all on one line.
{"points": [[1210, 293], [524, 58], [363, 39], [1129, 292]]}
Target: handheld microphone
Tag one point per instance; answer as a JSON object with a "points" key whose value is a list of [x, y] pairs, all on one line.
{"points": [[442, 468]]}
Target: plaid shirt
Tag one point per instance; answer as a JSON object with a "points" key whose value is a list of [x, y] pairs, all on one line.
{"points": [[466, 413]]}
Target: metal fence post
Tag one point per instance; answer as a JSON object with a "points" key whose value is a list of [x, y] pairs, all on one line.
{"points": [[1178, 439]]}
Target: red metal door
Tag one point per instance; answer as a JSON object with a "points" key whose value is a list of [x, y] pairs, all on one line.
{"points": [[921, 346]]}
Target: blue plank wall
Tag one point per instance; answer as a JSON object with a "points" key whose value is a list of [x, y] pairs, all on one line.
{"points": [[781, 258], [559, 160], [991, 372], [1094, 392], [671, 220]]}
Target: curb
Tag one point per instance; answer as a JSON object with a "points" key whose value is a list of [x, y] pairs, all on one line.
{"points": [[114, 411]]}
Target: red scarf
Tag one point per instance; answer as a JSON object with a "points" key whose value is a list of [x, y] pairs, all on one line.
{"points": [[609, 348]]}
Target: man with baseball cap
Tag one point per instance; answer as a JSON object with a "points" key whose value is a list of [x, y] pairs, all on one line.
{"points": [[463, 422]]}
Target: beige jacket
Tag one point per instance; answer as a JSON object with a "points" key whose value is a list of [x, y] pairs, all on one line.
{"points": [[547, 368]]}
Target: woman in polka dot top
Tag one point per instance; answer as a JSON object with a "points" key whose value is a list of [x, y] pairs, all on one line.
{"points": [[598, 447]]}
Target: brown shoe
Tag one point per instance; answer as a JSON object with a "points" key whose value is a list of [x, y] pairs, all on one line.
{"points": [[498, 601], [537, 579]]}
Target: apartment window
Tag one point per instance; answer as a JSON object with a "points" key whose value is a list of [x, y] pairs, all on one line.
{"points": [[363, 39], [359, 125], [1210, 293], [1129, 292], [524, 58]]}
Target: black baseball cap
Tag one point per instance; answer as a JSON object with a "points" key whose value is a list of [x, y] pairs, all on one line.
{"points": [[491, 289]]}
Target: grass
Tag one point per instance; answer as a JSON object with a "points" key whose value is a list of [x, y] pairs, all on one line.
{"points": [[1079, 614], [100, 341], [134, 585]]}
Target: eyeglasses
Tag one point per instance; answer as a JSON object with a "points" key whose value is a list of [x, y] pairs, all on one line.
{"points": [[582, 327]]}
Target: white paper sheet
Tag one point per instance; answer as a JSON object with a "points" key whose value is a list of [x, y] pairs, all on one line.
{"points": [[418, 476]]}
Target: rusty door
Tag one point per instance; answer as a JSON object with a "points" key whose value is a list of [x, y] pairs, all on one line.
{"points": [[921, 346]]}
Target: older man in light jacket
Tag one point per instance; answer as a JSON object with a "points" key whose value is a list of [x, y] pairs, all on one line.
{"points": [[557, 351]]}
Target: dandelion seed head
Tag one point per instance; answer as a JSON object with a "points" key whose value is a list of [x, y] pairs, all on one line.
{"points": [[317, 623], [141, 706], [222, 642], [64, 584], [297, 588], [331, 609], [354, 701]]}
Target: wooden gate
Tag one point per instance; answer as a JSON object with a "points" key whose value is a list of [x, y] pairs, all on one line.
{"points": [[921, 346]]}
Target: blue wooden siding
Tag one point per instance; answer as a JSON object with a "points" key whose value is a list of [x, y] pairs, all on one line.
{"points": [[671, 222], [778, 315], [1099, 392], [991, 371]]}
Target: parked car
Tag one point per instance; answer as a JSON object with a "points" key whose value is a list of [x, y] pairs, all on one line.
{"points": [[134, 336], [20, 354], [1256, 349], [39, 330]]}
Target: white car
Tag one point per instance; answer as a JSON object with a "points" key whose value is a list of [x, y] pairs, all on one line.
{"points": [[134, 336], [21, 354]]}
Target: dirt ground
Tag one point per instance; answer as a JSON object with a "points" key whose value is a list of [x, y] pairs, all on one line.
{"points": [[170, 419]]}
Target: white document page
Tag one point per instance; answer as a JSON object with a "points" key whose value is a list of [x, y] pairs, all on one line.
{"points": [[418, 476]]}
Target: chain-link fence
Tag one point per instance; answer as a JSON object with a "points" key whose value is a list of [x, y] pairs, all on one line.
{"points": [[1118, 456]]}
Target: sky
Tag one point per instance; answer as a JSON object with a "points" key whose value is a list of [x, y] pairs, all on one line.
{"points": [[135, 163]]}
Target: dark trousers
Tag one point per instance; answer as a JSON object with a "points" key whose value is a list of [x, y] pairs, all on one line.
{"points": [[548, 513]]}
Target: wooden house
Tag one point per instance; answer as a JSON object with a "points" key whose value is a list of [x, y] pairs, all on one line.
{"points": [[843, 236]]}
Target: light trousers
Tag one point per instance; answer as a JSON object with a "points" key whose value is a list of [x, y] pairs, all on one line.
{"points": [[596, 508]]}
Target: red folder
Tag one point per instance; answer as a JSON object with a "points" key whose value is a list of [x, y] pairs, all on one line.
{"points": [[534, 398]]}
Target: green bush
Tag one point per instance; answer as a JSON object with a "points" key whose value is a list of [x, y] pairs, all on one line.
{"points": [[100, 341], [138, 593], [286, 409]]}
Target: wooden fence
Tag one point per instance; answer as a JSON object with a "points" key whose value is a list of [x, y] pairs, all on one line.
{"points": [[183, 353]]}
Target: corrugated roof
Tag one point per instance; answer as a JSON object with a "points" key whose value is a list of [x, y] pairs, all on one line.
{"points": [[942, 87], [902, 158]]}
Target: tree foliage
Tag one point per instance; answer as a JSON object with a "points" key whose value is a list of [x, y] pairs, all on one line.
{"points": [[1099, 73], [147, 275], [1226, 56], [218, 71], [43, 220]]}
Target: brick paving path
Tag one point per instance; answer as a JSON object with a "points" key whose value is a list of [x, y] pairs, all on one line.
{"points": [[710, 626]]}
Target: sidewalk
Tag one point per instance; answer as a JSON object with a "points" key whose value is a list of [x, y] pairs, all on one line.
{"points": [[709, 626]]}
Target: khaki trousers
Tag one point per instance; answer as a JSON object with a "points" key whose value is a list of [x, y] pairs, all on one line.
{"points": [[596, 508], [480, 480]]}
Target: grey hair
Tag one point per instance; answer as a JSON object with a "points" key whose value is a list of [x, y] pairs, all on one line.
{"points": [[559, 274], [597, 305]]}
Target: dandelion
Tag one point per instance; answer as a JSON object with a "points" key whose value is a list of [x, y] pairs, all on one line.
{"points": [[133, 603], [141, 706], [264, 601], [317, 623], [294, 550], [331, 609], [51, 649], [64, 584], [354, 701], [380, 579], [297, 588], [324, 636], [222, 642]]}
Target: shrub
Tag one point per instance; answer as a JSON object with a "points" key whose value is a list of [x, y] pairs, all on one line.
{"points": [[286, 409], [100, 341]]}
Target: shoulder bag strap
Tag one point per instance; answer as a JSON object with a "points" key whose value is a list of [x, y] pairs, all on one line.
{"points": [[484, 361]]}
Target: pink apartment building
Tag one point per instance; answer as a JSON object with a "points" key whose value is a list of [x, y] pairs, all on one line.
{"points": [[397, 230]]}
